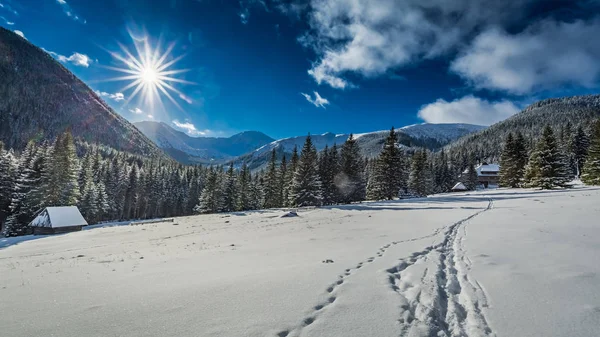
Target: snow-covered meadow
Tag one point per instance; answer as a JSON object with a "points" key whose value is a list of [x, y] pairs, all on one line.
{"points": [[493, 263]]}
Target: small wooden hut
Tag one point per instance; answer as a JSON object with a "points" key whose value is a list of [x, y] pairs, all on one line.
{"points": [[55, 220]]}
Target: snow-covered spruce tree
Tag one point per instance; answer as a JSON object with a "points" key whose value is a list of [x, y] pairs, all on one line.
{"points": [[326, 176], [211, 198], [591, 168], [389, 172], [89, 201], [245, 181], [579, 149], [62, 187], [350, 181], [290, 178], [257, 193], [281, 186], [443, 179], [513, 161], [419, 182], [306, 186], [8, 178], [470, 180], [547, 167], [132, 193], [116, 186], [230, 194], [272, 195], [376, 188], [565, 145]]}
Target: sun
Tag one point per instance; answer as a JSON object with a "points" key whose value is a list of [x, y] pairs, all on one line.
{"points": [[149, 76], [150, 72]]}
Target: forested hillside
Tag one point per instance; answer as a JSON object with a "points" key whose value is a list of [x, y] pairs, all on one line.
{"points": [[40, 99], [562, 114]]}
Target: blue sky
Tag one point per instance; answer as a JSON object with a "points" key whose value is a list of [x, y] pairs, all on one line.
{"points": [[288, 67]]}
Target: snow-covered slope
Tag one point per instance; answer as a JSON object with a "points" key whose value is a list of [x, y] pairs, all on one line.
{"points": [[444, 133], [432, 136], [492, 263], [287, 144]]}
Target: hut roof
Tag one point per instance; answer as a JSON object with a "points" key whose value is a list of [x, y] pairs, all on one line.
{"points": [[56, 217]]}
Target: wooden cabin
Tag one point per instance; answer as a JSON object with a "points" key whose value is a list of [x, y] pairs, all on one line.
{"points": [[56, 220]]}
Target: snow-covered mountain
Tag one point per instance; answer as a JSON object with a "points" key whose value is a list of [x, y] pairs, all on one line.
{"points": [[254, 147], [431, 136], [40, 99], [189, 149]]}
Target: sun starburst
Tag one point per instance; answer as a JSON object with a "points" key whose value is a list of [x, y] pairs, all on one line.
{"points": [[151, 73]]}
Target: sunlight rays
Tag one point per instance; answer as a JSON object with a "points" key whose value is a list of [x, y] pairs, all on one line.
{"points": [[151, 73]]}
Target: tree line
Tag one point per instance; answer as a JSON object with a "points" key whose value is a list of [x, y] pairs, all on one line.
{"points": [[107, 184], [554, 160]]}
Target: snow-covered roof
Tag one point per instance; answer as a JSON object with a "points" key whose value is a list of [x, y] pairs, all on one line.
{"points": [[55, 217], [459, 187], [486, 169]]}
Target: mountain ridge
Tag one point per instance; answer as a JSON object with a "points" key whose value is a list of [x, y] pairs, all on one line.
{"points": [[41, 99], [257, 146]]}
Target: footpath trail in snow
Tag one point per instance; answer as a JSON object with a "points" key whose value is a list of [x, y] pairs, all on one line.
{"points": [[494, 263]]}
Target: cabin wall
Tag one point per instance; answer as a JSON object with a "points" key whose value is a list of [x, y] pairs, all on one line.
{"points": [[60, 230]]}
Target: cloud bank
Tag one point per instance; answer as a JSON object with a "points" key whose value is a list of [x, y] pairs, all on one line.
{"points": [[468, 109]]}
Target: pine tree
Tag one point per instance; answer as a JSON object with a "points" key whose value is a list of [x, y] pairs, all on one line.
{"points": [[306, 186], [291, 173], [513, 161], [257, 193], [132, 193], [443, 180], [376, 188], [230, 194], [579, 149], [328, 173], [350, 181], [211, 198], [244, 189], [471, 180], [272, 195], [389, 174], [547, 167], [419, 180], [62, 175], [282, 186], [591, 168], [8, 185]]}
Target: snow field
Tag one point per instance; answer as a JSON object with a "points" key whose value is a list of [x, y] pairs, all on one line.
{"points": [[492, 263]]}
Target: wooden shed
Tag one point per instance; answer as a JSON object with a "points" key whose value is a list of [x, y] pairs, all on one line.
{"points": [[55, 220], [459, 187]]}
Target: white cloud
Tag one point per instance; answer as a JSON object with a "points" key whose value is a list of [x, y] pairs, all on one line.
{"points": [[318, 101], [136, 111], [151, 116], [9, 23], [9, 8], [118, 96], [20, 33], [69, 11], [190, 128], [468, 109], [369, 37], [546, 55], [77, 59]]}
